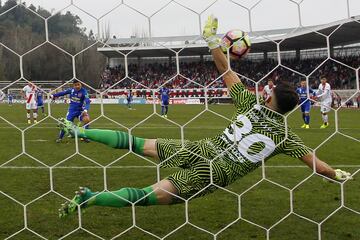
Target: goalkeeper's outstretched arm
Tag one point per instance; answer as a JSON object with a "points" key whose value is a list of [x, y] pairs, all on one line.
{"points": [[324, 169], [230, 78]]}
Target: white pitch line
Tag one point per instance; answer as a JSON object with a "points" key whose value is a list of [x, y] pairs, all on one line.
{"points": [[163, 127], [96, 167], [38, 140]]}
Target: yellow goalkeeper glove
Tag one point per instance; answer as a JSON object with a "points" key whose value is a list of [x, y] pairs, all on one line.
{"points": [[341, 175], [209, 32]]}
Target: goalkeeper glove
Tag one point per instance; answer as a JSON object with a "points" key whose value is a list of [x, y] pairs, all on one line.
{"points": [[341, 175], [209, 32]]}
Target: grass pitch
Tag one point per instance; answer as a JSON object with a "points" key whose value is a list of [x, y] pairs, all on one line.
{"points": [[29, 180]]}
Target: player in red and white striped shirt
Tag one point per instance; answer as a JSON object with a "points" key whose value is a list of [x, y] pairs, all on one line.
{"points": [[30, 96]]}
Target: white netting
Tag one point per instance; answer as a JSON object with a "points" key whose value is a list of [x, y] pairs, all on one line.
{"points": [[126, 53]]}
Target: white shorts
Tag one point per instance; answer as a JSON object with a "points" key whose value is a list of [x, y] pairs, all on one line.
{"points": [[325, 107], [31, 106]]}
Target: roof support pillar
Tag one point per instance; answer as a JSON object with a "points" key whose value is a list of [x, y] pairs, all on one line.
{"points": [[297, 51], [331, 51], [265, 56]]}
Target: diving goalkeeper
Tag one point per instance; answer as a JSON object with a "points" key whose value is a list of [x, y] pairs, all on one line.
{"points": [[257, 133]]}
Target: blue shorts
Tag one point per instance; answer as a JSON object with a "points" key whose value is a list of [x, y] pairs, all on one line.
{"points": [[70, 116], [165, 102], [305, 108], [40, 104]]}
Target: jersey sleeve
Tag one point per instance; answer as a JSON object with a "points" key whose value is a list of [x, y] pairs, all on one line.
{"points": [[242, 97], [63, 93], [294, 146]]}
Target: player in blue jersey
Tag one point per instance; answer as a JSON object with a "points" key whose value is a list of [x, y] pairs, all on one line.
{"points": [[305, 103], [79, 105], [40, 101], [164, 97], [129, 99], [10, 99]]}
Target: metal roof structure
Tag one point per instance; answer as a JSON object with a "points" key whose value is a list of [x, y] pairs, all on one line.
{"points": [[343, 32]]}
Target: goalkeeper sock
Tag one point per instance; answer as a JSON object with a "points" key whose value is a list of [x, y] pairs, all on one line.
{"points": [[166, 110], [114, 139], [124, 197]]}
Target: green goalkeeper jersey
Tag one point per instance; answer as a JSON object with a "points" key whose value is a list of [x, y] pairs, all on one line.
{"points": [[255, 134]]}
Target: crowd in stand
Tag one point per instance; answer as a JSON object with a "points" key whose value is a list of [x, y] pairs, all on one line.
{"points": [[198, 74]]}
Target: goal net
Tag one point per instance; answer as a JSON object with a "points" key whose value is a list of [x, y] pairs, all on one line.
{"points": [[117, 47]]}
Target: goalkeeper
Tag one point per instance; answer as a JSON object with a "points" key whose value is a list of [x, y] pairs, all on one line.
{"points": [[255, 134]]}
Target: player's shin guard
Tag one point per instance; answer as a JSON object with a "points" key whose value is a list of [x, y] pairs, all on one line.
{"points": [[114, 139], [125, 196]]}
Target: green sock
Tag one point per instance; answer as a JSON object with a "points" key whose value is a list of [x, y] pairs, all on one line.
{"points": [[114, 139], [112, 199]]}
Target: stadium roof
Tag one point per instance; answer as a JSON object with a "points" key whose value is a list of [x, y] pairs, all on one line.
{"points": [[347, 32]]}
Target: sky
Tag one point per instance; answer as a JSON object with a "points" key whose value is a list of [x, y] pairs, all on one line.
{"points": [[184, 17]]}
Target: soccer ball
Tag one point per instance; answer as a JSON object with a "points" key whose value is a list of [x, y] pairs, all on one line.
{"points": [[238, 43]]}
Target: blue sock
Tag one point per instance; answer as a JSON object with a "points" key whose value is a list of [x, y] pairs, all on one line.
{"points": [[61, 134], [162, 110], [166, 109], [307, 119], [87, 126]]}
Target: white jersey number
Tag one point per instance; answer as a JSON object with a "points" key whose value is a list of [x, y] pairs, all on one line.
{"points": [[244, 143]]}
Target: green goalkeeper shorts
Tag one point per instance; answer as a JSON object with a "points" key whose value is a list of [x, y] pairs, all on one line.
{"points": [[195, 159]]}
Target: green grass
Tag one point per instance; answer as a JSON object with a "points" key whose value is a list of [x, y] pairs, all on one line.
{"points": [[264, 204]]}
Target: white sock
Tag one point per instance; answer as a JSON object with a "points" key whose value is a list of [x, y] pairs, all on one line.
{"points": [[325, 118], [28, 115], [35, 115]]}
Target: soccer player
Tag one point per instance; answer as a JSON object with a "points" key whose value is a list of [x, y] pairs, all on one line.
{"points": [[164, 97], [10, 99], [324, 95], [268, 90], [79, 105], [129, 98], [40, 101], [256, 134], [29, 93], [306, 104]]}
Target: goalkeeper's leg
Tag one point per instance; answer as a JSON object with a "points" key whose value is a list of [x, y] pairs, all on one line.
{"points": [[160, 193], [114, 139]]}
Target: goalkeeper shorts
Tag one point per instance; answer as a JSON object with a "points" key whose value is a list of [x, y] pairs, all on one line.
{"points": [[194, 160]]}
